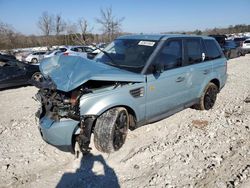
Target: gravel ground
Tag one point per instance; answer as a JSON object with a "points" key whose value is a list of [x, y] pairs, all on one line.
{"points": [[189, 149]]}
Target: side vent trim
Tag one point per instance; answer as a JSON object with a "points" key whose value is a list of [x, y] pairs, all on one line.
{"points": [[138, 92]]}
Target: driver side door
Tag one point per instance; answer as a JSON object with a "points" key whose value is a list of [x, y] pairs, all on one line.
{"points": [[167, 91]]}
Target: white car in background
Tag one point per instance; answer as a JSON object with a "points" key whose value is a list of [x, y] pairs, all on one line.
{"points": [[35, 57], [52, 53], [81, 51], [246, 46]]}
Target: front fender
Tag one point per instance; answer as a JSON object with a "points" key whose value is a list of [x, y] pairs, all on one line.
{"points": [[97, 103]]}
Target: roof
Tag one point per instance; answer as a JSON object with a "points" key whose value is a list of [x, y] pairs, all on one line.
{"points": [[159, 36]]}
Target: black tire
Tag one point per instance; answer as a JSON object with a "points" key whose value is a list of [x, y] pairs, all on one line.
{"points": [[34, 60], [111, 130], [208, 97], [37, 76]]}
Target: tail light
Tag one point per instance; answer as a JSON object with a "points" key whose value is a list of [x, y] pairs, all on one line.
{"points": [[66, 53]]}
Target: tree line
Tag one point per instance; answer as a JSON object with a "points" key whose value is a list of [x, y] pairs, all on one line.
{"points": [[56, 31], [232, 29]]}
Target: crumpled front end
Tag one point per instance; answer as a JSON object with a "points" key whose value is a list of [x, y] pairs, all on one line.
{"points": [[58, 133], [58, 117], [64, 81]]}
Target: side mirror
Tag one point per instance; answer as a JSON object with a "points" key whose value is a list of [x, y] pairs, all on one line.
{"points": [[158, 68], [203, 56]]}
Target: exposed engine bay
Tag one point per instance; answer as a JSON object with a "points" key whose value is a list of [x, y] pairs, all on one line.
{"points": [[58, 104]]}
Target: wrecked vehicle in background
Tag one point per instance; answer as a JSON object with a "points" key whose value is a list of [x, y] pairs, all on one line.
{"points": [[16, 73], [135, 80]]}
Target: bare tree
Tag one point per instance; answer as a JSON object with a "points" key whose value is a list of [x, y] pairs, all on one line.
{"points": [[110, 24], [85, 30], [8, 36], [60, 24], [45, 23]]}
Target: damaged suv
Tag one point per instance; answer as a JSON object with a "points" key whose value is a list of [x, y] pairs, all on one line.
{"points": [[135, 80]]}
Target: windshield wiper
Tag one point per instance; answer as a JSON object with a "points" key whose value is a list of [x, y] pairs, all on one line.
{"points": [[108, 55]]}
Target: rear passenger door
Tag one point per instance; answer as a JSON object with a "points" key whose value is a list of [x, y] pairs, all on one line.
{"points": [[199, 68]]}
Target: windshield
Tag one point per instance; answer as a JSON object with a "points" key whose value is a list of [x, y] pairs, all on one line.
{"points": [[128, 54]]}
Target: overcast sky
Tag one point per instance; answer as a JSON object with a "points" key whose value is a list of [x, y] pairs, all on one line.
{"points": [[146, 16]]}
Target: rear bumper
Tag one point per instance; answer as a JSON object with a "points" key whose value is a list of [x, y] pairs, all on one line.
{"points": [[58, 133]]}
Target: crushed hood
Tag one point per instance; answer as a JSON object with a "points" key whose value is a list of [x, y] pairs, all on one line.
{"points": [[69, 72]]}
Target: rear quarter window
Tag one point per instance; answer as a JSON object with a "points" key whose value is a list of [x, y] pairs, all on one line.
{"points": [[213, 51]]}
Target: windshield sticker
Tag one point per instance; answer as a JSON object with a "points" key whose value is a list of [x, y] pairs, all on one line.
{"points": [[146, 43]]}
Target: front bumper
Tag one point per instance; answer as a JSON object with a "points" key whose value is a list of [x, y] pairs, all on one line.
{"points": [[58, 133]]}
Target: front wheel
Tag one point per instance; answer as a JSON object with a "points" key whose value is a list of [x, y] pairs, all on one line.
{"points": [[208, 97], [37, 76], [111, 130]]}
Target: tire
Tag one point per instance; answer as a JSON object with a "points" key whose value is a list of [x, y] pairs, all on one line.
{"points": [[34, 60], [208, 97], [37, 76], [111, 130]]}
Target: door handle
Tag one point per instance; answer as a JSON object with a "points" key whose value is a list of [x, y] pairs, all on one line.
{"points": [[206, 71], [180, 79]]}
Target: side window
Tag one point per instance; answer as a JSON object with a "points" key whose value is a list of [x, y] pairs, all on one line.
{"points": [[74, 49], [170, 55], [88, 50], [63, 49], [193, 51], [212, 50]]}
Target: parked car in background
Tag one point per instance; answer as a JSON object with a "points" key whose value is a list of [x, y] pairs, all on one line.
{"points": [[97, 50], [239, 40], [135, 80], [35, 57], [81, 51], [232, 50], [6, 57], [52, 53], [16, 73], [246, 46], [220, 39]]}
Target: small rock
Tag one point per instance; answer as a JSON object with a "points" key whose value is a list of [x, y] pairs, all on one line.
{"points": [[221, 184], [4, 167], [136, 166]]}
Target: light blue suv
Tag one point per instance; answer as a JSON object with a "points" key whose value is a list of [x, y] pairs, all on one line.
{"points": [[135, 80]]}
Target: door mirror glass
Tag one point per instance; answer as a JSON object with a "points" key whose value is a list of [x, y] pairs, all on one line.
{"points": [[203, 56]]}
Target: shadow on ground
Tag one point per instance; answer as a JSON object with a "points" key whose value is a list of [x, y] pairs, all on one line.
{"points": [[88, 176]]}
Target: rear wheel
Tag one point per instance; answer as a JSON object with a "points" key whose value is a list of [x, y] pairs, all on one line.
{"points": [[208, 97], [34, 60], [111, 130]]}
